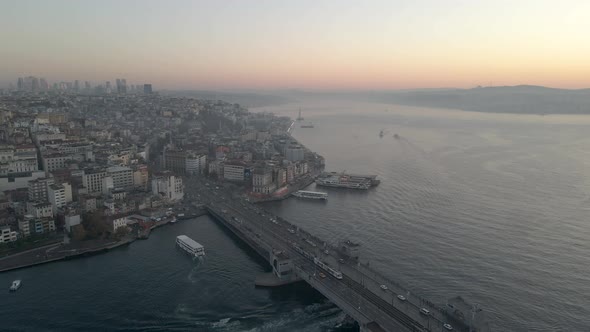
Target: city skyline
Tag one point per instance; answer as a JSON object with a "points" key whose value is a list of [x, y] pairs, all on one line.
{"points": [[309, 45]]}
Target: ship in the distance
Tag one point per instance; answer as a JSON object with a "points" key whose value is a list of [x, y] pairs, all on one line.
{"points": [[307, 125], [311, 194], [344, 180]]}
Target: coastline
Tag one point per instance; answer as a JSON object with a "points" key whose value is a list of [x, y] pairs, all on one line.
{"points": [[66, 251], [63, 256]]}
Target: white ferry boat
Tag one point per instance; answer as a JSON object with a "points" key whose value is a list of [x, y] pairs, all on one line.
{"points": [[343, 180], [189, 245], [15, 285], [311, 194]]}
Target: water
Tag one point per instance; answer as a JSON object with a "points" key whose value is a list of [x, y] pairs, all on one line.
{"points": [[493, 207], [153, 286], [488, 206]]}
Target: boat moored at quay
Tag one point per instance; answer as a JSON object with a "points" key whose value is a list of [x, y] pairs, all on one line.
{"points": [[311, 194], [349, 181]]}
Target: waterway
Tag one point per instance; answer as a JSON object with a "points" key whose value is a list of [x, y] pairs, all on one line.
{"points": [[492, 207], [153, 286]]}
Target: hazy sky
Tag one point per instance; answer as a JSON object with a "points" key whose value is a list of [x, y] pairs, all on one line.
{"points": [[299, 44]]}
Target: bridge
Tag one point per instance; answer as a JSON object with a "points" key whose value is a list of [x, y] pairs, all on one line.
{"points": [[373, 301]]}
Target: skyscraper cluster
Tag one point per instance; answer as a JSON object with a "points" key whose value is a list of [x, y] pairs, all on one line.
{"points": [[34, 84], [121, 85]]}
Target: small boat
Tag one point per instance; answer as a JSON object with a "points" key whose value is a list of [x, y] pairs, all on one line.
{"points": [[15, 285], [173, 220], [396, 136]]}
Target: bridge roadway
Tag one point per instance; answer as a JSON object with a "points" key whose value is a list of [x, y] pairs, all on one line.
{"points": [[358, 293]]}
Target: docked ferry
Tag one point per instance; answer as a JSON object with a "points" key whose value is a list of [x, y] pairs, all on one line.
{"points": [[350, 181], [190, 246], [311, 194]]}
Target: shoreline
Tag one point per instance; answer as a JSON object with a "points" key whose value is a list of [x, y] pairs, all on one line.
{"points": [[39, 256], [88, 252]]}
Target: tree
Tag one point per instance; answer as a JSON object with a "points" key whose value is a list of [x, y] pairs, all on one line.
{"points": [[78, 232], [95, 225], [120, 233]]}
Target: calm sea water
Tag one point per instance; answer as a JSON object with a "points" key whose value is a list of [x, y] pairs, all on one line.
{"points": [[491, 207], [153, 286]]}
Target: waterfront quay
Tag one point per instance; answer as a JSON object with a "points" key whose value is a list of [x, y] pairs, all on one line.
{"points": [[365, 295]]}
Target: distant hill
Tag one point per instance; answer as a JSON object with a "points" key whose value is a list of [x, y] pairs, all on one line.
{"points": [[526, 99]]}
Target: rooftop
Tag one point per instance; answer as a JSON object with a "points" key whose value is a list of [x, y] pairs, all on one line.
{"points": [[190, 242]]}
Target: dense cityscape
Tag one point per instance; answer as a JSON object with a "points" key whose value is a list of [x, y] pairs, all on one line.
{"points": [[90, 163]]}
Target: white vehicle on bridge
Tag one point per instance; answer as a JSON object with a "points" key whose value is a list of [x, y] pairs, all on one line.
{"points": [[448, 327]]}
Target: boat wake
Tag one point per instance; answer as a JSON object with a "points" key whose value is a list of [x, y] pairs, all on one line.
{"points": [[197, 264]]}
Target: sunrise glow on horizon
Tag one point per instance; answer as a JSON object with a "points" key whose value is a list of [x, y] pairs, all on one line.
{"points": [[299, 44]]}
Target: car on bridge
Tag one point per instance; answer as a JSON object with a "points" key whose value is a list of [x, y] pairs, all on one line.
{"points": [[448, 327], [384, 287], [322, 275], [401, 297], [425, 311]]}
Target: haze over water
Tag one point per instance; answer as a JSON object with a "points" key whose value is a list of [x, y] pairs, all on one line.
{"points": [[491, 207]]}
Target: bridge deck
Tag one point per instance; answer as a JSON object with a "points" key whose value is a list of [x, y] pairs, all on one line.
{"points": [[358, 293]]}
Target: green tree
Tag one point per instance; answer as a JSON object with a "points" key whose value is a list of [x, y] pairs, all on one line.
{"points": [[95, 225]]}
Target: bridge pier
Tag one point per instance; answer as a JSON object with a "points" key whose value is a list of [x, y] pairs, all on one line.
{"points": [[282, 271]]}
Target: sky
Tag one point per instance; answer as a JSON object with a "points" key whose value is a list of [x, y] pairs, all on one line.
{"points": [[300, 44]]}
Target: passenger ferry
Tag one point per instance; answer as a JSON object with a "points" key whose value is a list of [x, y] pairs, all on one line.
{"points": [[311, 194], [189, 245], [350, 181]]}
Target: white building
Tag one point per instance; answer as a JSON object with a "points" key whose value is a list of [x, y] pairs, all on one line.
{"points": [[93, 181], [122, 176], [38, 189], [59, 195], [168, 185], [55, 161], [195, 163], [107, 185], [262, 181], [40, 209], [20, 181], [71, 220], [233, 172], [6, 235], [24, 226], [118, 222], [18, 160], [294, 153]]}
